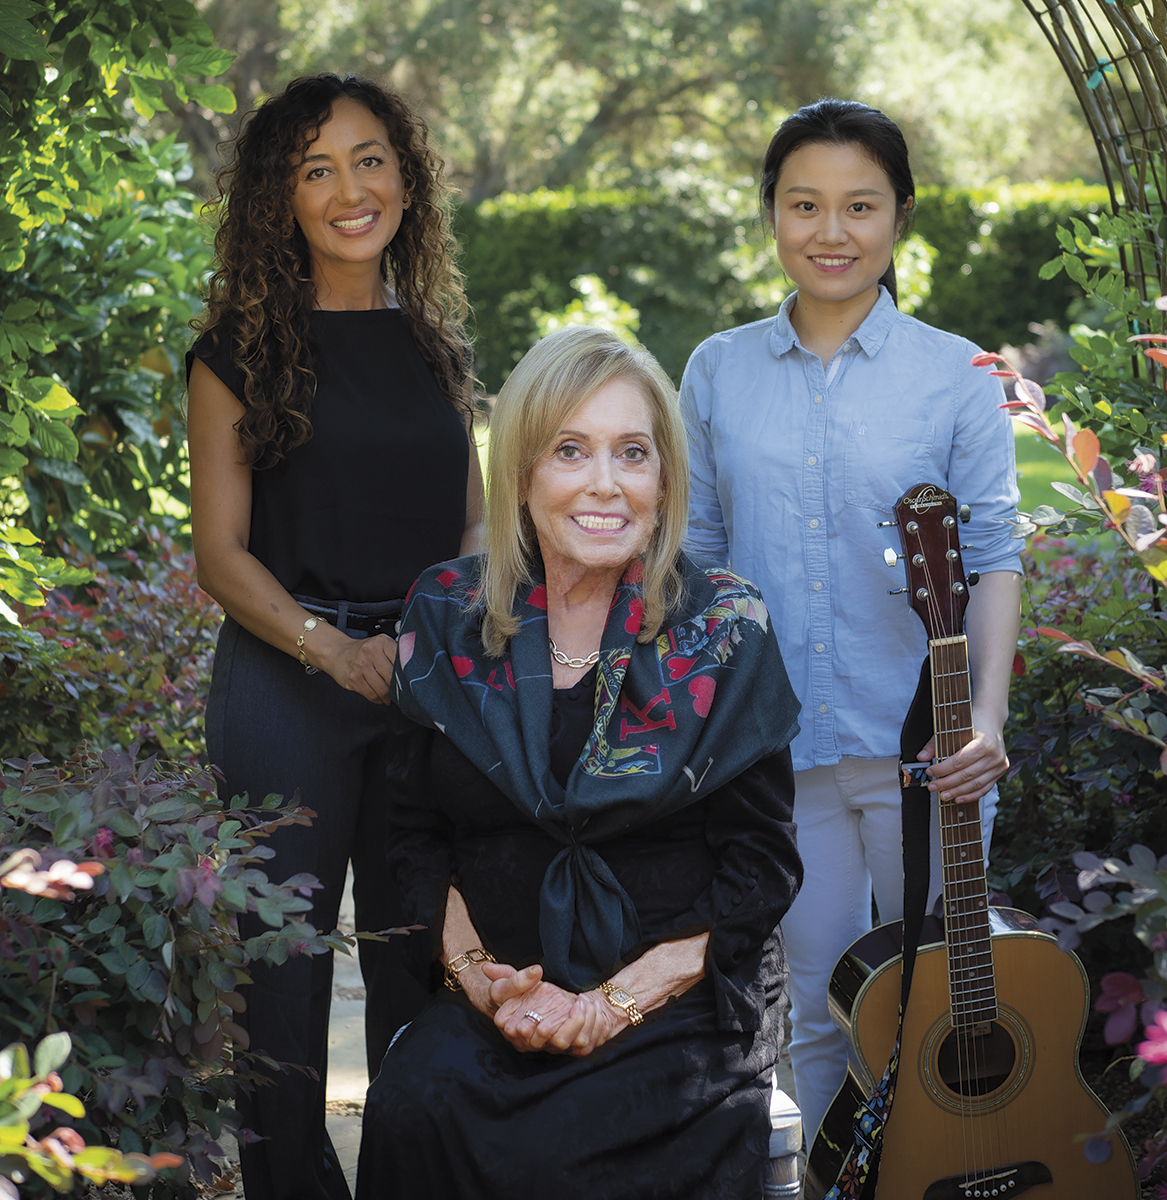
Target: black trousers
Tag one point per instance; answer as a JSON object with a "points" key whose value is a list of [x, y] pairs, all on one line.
{"points": [[273, 728]]}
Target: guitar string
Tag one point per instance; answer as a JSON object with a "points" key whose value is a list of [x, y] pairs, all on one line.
{"points": [[948, 672], [940, 680], [956, 830]]}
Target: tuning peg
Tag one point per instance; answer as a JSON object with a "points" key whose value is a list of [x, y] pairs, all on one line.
{"points": [[891, 557], [883, 524], [974, 577], [898, 592], [964, 513], [963, 547]]}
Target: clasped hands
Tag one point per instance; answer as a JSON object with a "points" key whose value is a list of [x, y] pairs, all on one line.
{"points": [[568, 1024]]}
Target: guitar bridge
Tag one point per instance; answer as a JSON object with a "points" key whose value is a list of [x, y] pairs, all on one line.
{"points": [[993, 1183]]}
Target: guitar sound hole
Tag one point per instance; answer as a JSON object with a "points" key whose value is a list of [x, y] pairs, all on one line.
{"points": [[975, 1064]]}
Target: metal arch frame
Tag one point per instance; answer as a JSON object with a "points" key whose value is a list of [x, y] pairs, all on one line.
{"points": [[1113, 53]]}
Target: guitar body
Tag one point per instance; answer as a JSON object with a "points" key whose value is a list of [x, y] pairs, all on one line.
{"points": [[1019, 1100]]}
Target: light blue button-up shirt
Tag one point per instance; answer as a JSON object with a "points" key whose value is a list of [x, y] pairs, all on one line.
{"points": [[793, 465]]}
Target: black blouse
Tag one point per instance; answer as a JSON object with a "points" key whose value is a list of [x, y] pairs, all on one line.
{"points": [[378, 493], [727, 864]]}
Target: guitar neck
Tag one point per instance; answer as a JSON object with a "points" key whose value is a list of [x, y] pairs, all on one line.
{"points": [[971, 984]]}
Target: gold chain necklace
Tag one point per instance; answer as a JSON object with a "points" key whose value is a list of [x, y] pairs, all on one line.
{"points": [[577, 663]]}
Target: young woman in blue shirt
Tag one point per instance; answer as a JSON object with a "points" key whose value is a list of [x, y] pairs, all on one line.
{"points": [[806, 428]]}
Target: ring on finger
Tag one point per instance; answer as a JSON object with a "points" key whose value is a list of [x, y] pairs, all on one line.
{"points": [[531, 1015]]}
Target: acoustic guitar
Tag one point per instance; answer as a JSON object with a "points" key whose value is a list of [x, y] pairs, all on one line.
{"points": [[989, 1101]]}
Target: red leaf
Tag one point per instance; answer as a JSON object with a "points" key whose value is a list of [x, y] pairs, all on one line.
{"points": [[1054, 633], [1018, 664], [985, 359], [1157, 354], [1086, 446]]}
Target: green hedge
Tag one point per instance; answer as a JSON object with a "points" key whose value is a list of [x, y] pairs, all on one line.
{"points": [[692, 264], [990, 244]]}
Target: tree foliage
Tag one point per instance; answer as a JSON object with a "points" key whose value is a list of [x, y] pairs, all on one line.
{"points": [[67, 156]]}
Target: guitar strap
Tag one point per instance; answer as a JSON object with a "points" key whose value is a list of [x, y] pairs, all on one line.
{"points": [[860, 1171]]}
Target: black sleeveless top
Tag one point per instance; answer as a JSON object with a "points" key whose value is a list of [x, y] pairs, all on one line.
{"points": [[378, 493]]}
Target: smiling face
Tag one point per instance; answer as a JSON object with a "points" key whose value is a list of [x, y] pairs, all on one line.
{"points": [[349, 195], [593, 493], [835, 221]]}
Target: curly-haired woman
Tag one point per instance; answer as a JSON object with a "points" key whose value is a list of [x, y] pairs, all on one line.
{"points": [[330, 464]]}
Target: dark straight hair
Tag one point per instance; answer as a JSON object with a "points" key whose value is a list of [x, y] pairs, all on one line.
{"points": [[844, 123]]}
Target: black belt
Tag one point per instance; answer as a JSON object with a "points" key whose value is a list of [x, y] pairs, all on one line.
{"points": [[369, 619]]}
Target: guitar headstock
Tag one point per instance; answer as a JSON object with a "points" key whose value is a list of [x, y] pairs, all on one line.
{"points": [[930, 529]]}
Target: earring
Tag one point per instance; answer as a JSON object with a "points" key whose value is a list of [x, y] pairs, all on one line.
{"points": [[406, 202]]}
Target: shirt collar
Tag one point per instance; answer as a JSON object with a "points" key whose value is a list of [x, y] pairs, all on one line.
{"points": [[870, 335]]}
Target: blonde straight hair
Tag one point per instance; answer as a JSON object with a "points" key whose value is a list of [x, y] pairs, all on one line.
{"points": [[553, 379]]}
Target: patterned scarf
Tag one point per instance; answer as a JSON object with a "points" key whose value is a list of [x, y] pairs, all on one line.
{"points": [[674, 721]]}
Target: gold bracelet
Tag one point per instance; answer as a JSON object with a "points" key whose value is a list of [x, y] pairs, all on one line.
{"points": [[309, 625], [460, 962], [622, 999]]}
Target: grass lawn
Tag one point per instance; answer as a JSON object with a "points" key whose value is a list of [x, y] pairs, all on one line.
{"points": [[1038, 464]]}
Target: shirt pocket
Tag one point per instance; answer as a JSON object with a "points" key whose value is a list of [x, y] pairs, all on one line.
{"points": [[880, 464]]}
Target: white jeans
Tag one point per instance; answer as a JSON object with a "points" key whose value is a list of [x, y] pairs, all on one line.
{"points": [[849, 836]]}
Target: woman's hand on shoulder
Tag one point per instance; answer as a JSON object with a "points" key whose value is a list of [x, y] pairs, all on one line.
{"points": [[363, 665]]}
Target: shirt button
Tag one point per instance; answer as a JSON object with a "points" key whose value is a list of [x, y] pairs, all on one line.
{"points": [[754, 872], [819, 648], [737, 898], [814, 522], [818, 587], [818, 399], [812, 460], [822, 708]]}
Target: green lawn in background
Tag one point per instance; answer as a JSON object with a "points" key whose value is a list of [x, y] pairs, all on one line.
{"points": [[1038, 465]]}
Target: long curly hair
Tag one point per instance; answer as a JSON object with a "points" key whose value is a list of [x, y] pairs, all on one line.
{"points": [[261, 293]]}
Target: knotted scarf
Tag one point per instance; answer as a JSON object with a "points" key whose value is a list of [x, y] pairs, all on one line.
{"points": [[674, 720]]}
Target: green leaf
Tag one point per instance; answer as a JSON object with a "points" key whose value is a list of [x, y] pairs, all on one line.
{"points": [[1076, 270], [11, 461], [155, 929], [55, 399], [214, 96], [138, 974], [18, 39], [154, 988], [202, 61], [83, 976], [20, 310], [51, 1052], [1049, 269], [65, 1102], [57, 440]]}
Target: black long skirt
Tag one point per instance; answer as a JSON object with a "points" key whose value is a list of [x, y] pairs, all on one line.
{"points": [[674, 1110]]}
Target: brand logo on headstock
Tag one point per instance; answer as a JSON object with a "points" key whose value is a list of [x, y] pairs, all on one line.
{"points": [[929, 498]]}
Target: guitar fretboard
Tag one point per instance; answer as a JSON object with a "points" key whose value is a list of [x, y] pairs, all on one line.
{"points": [[971, 984]]}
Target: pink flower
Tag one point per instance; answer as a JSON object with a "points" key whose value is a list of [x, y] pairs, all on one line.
{"points": [[1121, 993], [1143, 463], [103, 843], [1154, 1049]]}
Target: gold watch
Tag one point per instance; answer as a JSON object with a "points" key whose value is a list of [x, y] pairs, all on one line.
{"points": [[622, 999]]}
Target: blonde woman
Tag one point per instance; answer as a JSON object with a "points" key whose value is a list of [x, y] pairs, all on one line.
{"points": [[599, 832]]}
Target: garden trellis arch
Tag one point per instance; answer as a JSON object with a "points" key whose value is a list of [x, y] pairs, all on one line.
{"points": [[1112, 51]]}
